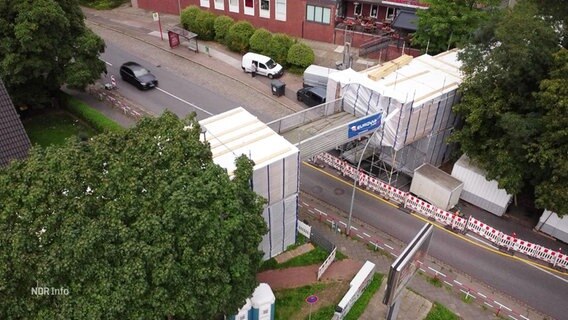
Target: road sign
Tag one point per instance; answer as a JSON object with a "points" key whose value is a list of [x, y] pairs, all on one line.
{"points": [[155, 16], [362, 125]]}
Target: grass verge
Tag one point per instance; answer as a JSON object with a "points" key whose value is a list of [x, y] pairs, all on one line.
{"points": [[53, 127], [361, 304], [289, 301], [323, 313], [93, 117], [439, 312]]}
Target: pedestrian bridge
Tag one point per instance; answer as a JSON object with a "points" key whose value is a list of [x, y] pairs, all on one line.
{"points": [[318, 129]]}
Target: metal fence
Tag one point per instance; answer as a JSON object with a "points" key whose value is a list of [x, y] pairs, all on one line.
{"points": [[304, 117]]}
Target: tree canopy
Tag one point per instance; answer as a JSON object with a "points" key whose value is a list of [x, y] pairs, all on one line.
{"points": [[449, 23], [135, 225], [502, 118], [44, 44]]}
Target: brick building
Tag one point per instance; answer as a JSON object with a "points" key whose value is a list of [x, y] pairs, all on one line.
{"points": [[332, 21]]}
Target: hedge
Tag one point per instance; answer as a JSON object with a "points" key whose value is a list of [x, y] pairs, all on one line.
{"points": [[260, 40], [300, 55], [222, 25], [204, 25], [279, 46], [93, 117], [239, 36], [188, 17]]}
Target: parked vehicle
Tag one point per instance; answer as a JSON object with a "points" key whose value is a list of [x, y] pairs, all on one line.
{"points": [[262, 65], [316, 76], [311, 96], [137, 75]]}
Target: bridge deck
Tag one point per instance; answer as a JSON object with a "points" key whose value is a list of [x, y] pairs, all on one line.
{"points": [[314, 128]]}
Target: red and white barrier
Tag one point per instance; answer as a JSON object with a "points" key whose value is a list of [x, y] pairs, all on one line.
{"points": [[446, 218]]}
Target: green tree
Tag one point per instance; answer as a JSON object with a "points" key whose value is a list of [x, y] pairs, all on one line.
{"points": [[205, 25], [222, 26], [188, 17], [301, 55], [279, 46], [550, 151], [449, 23], [501, 116], [239, 35], [139, 224], [43, 45], [260, 40]]}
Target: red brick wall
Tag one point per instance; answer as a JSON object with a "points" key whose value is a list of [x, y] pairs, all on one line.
{"points": [[295, 25]]}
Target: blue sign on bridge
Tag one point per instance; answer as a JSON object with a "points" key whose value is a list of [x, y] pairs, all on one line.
{"points": [[365, 124]]}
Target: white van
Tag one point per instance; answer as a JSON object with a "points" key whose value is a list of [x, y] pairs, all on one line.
{"points": [[264, 65]]}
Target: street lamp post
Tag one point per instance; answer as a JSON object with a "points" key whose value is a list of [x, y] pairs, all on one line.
{"points": [[356, 179]]}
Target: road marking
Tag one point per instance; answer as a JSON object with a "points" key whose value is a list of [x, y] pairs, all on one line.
{"points": [[330, 221], [481, 294], [524, 317], [510, 316], [386, 245], [107, 63], [352, 227], [446, 282], [482, 241], [343, 223], [366, 234], [310, 211], [305, 204], [184, 101], [376, 245], [550, 273], [436, 271], [467, 293], [488, 304], [360, 236], [456, 281], [321, 212], [502, 306]]}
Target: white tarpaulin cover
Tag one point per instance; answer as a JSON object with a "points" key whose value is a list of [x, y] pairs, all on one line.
{"points": [[416, 98], [478, 190], [275, 175], [553, 225]]}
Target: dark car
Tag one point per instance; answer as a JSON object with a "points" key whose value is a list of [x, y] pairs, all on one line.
{"points": [[137, 75], [311, 96]]}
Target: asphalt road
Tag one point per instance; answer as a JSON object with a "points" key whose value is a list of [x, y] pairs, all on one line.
{"points": [[520, 280], [178, 94]]}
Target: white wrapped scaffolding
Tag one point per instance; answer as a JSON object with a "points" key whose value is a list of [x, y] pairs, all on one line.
{"points": [[416, 100], [275, 175]]}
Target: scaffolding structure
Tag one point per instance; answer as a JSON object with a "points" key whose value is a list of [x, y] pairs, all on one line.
{"points": [[416, 98]]}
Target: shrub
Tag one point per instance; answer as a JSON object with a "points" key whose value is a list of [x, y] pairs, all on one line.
{"points": [[279, 46], [222, 26], [188, 17], [204, 25], [300, 55], [260, 40], [93, 117], [239, 36]]}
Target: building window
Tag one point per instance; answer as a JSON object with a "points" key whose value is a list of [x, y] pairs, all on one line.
{"points": [[318, 14], [391, 12], [264, 8], [249, 7], [280, 10], [234, 6], [374, 11], [204, 3], [220, 4], [357, 8]]}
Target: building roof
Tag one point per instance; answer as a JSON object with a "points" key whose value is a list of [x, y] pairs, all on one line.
{"points": [[238, 132], [14, 142], [406, 20]]}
